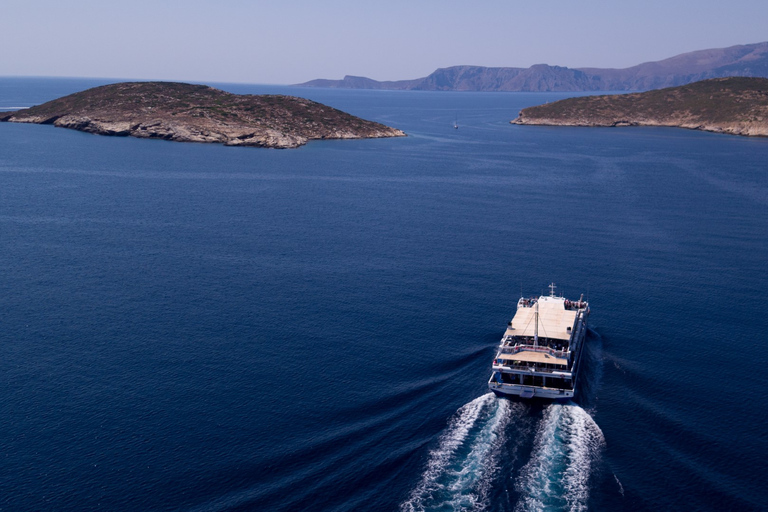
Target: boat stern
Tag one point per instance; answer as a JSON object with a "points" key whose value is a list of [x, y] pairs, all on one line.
{"points": [[523, 392]]}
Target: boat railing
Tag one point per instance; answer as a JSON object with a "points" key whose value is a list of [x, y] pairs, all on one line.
{"points": [[526, 368], [530, 348], [575, 305]]}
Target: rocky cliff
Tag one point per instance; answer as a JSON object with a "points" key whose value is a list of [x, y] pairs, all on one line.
{"points": [[734, 105], [198, 113]]}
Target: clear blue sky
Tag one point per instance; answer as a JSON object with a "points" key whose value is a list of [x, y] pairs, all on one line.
{"points": [[290, 41]]}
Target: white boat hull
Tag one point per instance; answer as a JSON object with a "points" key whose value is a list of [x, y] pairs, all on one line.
{"points": [[529, 392], [539, 357]]}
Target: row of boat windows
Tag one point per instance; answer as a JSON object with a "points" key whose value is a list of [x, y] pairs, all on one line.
{"points": [[534, 380]]}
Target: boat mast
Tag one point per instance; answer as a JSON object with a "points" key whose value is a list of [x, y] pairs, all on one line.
{"points": [[536, 326]]}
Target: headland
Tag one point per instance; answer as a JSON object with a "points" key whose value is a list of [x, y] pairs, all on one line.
{"points": [[735, 105]]}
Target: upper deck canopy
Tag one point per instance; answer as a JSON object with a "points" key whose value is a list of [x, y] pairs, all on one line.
{"points": [[554, 320], [529, 356]]}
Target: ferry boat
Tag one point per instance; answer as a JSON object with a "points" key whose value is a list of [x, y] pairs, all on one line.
{"points": [[539, 356]]}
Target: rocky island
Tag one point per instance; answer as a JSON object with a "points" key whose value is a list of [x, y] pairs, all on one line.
{"points": [[736, 105], [198, 113]]}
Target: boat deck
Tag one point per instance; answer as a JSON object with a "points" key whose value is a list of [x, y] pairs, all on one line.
{"points": [[554, 320]]}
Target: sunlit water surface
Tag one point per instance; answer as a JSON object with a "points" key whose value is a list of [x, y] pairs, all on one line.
{"points": [[196, 327]]}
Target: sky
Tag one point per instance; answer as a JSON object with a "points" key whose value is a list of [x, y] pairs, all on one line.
{"points": [[292, 41]]}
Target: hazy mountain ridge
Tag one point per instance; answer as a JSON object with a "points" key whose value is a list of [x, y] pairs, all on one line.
{"points": [[742, 60]]}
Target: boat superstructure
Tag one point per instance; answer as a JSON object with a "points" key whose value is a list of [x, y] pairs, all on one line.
{"points": [[540, 353]]}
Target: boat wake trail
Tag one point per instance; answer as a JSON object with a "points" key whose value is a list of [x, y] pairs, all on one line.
{"points": [[461, 468], [556, 477]]}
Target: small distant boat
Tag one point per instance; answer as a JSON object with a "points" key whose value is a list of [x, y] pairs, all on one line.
{"points": [[541, 366], [456, 123]]}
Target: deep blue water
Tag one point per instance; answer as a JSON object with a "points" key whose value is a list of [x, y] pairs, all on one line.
{"points": [[195, 327]]}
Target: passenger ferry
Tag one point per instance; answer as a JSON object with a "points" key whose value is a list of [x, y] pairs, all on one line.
{"points": [[540, 352]]}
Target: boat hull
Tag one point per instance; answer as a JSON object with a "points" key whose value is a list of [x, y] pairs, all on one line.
{"points": [[528, 393]]}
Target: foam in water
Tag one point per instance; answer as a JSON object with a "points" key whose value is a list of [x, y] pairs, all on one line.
{"points": [[460, 470], [621, 487], [556, 477]]}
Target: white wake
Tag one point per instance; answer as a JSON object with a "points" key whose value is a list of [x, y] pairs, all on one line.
{"points": [[566, 447], [461, 468]]}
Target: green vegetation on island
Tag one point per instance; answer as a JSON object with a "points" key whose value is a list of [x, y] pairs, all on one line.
{"points": [[736, 105], [198, 113]]}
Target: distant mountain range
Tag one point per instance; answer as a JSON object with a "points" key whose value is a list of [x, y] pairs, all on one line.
{"points": [[743, 60]]}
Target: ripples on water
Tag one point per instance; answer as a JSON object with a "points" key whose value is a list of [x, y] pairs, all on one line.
{"points": [[193, 327], [497, 454], [479, 450], [566, 448], [461, 468]]}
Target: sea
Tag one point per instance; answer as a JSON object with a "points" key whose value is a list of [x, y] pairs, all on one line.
{"points": [[193, 327]]}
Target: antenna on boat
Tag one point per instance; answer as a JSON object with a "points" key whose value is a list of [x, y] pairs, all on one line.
{"points": [[552, 289]]}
